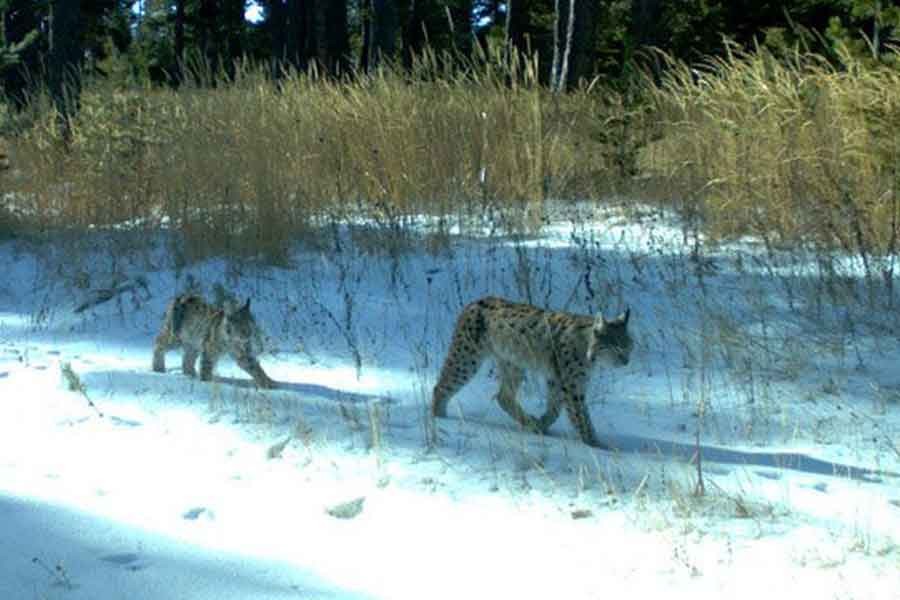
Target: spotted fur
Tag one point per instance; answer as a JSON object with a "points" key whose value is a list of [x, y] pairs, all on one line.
{"points": [[206, 332], [519, 337]]}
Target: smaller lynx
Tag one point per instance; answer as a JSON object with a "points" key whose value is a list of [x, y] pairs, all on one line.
{"points": [[208, 332], [561, 346]]}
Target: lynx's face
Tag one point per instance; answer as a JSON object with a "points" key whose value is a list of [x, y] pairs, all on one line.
{"points": [[610, 341], [241, 331]]}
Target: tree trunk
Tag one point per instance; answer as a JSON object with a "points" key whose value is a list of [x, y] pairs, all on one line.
{"points": [[276, 23], [296, 33], [64, 61], [581, 65], [518, 25], [573, 38], [876, 29], [385, 38], [232, 34], [459, 13], [557, 52], [289, 24], [413, 33], [337, 37], [316, 32], [208, 36], [646, 21], [327, 35], [367, 20], [379, 33], [179, 39]]}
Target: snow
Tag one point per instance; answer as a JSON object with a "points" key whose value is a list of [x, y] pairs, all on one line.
{"points": [[186, 489]]}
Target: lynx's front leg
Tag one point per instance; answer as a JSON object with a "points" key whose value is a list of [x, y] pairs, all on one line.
{"points": [[253, 368], [188, 360], [164, 342], [578, 415], [159, 355], [510, 381], [208, 361]]}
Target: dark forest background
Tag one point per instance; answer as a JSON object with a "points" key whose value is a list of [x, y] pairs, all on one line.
{"points": [[153, 40]]}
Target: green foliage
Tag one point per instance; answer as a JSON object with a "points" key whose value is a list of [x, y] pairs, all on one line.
{"points": [[866, 30], [152, 55], [10, 51]]}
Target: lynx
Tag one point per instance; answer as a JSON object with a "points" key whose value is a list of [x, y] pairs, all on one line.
{"points": [[208, 332], [561, 346]]}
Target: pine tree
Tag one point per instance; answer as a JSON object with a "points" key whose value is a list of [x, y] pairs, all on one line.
{"points": [[379, 18], [23, 45], [64, 60]]}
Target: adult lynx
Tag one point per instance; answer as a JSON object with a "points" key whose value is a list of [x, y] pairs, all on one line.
{"points": [[562, 346], [208, 332]]}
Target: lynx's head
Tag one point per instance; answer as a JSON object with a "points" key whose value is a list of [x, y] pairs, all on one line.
{"points": [[610, 341], [240, 330]]}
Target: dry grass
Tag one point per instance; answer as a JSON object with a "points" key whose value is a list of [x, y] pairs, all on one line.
{"points": [[245, 168], [794, 150]]}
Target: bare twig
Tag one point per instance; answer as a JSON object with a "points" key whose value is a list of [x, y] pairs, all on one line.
{"points": [[700, 489], [106, 294], [74, 383]]}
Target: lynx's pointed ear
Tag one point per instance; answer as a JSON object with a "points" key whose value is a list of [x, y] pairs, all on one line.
{"points": [[246, 304], [625, 316]]}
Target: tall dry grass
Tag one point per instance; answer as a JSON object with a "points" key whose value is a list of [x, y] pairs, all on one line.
{"points": [[248, 166], [7, 222], [794, 150]]}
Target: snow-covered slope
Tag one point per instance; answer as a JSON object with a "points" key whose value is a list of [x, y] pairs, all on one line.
{"points": [[783, 378]]}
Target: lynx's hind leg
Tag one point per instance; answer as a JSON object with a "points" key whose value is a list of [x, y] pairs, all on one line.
{"points": [[467, 352], [208, 360], [457, 371], [165, 341], [555, 401], [188, 360]]}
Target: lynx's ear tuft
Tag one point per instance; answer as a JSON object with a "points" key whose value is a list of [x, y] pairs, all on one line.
{"points": [[625, 316]]}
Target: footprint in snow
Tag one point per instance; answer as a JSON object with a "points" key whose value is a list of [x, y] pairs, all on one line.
{"points": [[347, 510], [124, 422], [194, 513], [130, 561]]}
